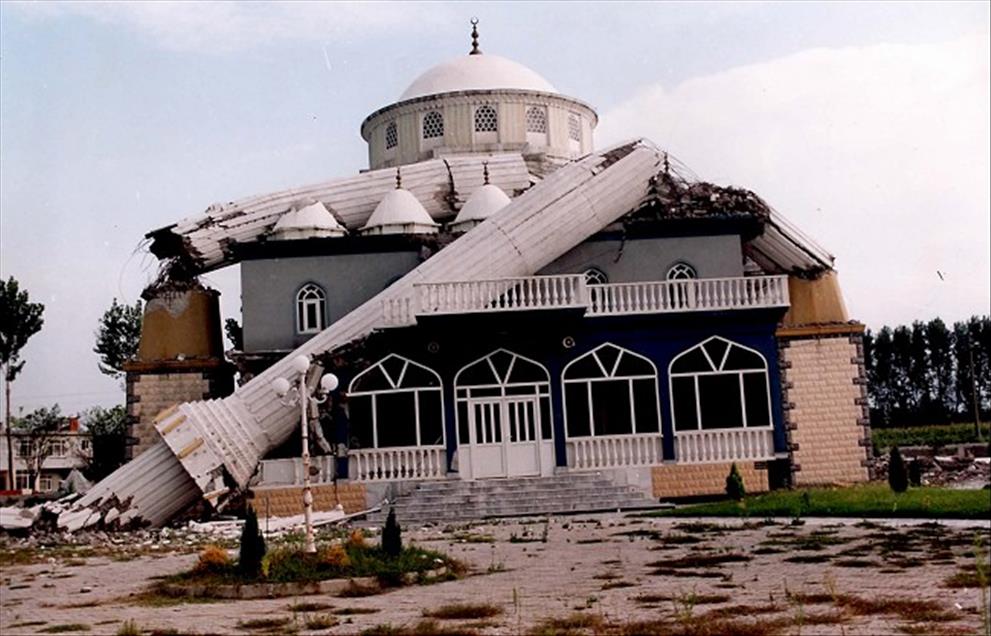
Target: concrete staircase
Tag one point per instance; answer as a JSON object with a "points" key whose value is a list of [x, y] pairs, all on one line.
{"points": [[454, 500]]}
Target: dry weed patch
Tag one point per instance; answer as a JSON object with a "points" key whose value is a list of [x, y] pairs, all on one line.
{"points": [[463, 611]]}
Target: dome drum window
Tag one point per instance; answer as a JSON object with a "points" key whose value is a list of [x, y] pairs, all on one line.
{"points": [[536, 125], [311, 303], [391, 136], [486, 123], [433, 125], [574, 132]]}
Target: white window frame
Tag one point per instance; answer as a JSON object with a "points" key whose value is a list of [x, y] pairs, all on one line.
{"points": [[309, 295], [536, 137], [574, 132], [390, 149], [595, 276], [717, 370], [540, 390], [396, 384], [681, 271], [609, 375]]}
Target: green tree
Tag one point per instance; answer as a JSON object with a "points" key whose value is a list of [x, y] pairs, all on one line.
{"points": [[19, 320], [943, 369], [117, 337], [37, 433], [903, 394], [919, 374], [107, 429], [878, 354]]}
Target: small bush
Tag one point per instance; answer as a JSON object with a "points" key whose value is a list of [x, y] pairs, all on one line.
{"points": [[734, 484], [213, 559], [392, 536], [897, 474], [252, 546], [357, 538], [915, 473], [335, 556]]}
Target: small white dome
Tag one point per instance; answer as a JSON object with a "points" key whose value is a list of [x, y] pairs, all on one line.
{"points": [[483, 203], [477, 72], [399, 213], [313, 220]]}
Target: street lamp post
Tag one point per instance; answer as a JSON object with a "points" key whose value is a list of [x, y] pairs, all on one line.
{"points": [[291, 396]]}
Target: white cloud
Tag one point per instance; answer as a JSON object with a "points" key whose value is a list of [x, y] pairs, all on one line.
{"points": [[231, 26], [883, 153]]}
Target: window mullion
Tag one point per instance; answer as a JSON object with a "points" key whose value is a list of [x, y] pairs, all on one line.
{"points": [[633, 409], [591, 413], [743, 401], [375, 422], [416, 411], [698, 405]]}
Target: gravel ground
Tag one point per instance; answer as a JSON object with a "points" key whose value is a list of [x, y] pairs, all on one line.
{"points": [[597, 565]]}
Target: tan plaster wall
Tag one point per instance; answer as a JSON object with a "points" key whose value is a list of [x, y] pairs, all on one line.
{"points": [[826, 420], [288, 501], [692, 480]]}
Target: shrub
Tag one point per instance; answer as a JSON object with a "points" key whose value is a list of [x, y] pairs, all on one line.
{"points": [[252, 546], [915, 473], [734, 484], [213, 559], [357, 538], [897, 475], [392, 536], [335, 556]]}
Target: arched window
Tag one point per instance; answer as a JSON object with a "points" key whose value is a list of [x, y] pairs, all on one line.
{"points": [[502, 375], [719, 384], [396, 402], [311, 309], [681, 271], [595, 276], [486, 119], [433, 125], [610, 391], [536, 119], [391, 136]]}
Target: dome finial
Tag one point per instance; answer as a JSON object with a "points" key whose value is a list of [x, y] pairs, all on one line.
{"points": [[485, 171], [474, 38], [399, 180]]}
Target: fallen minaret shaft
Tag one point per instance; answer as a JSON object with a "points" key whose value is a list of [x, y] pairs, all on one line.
{"points": [[208, 446]]}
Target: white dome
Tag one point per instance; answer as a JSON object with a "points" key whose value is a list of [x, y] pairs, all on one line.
{"points": [[313, 220], [483, 203], [399, 213], [476, 72]]}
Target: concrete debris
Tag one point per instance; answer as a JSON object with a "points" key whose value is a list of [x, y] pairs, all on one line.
{"points": [[953, 471], [13, 518]]}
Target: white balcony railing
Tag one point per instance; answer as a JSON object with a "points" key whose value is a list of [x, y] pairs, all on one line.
{"points": [[614, 451], [724, 445], [703, 294], [571, 291], [394, 464]]}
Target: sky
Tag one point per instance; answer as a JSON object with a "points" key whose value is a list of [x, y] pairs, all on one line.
{"points": [[866, 124]]}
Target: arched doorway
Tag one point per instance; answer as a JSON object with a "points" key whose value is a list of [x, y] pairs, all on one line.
{"points": [[504, 419]]}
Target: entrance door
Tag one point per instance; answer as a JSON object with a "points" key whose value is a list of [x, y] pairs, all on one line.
{"points": [[504, 436]]}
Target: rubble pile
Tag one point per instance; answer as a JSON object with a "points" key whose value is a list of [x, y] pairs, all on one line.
{"points": [[952, 471]]}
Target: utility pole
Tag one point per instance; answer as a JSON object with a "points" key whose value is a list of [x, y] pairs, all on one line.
{"points": [[973, 390], [10, 482]]}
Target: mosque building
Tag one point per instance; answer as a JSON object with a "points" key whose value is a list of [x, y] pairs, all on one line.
{"points": [[519, 322]]}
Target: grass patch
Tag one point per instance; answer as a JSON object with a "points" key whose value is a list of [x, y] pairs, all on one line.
{"points": [[463, 611], [309, 607], [809, 558], [908, 609], [258, 624], [855, 563], [576, 623], [612, 585], [65, 628], [422, 628], [865, 500], [321, 621], [27, 624], [355, 611], [700, 560]]}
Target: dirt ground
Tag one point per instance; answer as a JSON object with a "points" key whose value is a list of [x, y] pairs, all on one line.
{"points": [[600, 573]]}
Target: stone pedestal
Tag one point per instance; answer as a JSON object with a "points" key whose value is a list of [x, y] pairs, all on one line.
{"points": [[180, 359]]}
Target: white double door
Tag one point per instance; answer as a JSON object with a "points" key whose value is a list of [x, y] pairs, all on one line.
{"points": [[504, 436]]}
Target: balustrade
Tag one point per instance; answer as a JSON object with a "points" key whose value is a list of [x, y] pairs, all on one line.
{"points": [[614, 451], [723, 445], [396, 464]]}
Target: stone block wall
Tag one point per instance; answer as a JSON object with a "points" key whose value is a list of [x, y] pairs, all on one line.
{"points": [[825, 396], [153, 388], [692, 480], [286, 501]]}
